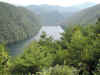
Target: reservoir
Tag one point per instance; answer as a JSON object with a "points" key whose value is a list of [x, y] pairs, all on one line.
{"points": [[51, 31]]}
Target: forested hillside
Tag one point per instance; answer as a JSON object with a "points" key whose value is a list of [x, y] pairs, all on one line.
{"points": [[17, 23], [86, 16]]}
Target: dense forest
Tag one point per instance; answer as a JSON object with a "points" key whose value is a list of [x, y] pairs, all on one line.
{"points": [[16, 26], [77, 53]]}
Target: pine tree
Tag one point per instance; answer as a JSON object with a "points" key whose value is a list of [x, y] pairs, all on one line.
{"points": [[3, 59]]}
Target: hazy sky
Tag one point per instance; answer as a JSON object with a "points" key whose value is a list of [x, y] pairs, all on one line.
{"points": [[50, 2]]}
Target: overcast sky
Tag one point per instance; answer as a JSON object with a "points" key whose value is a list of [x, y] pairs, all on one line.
{"points": [[49, 2]]}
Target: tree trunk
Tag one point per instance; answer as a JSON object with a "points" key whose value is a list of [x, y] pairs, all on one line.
{"points": [[91, 73], [90, 69], [81, 72]]}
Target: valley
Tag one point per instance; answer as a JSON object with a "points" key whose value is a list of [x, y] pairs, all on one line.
{"points": [[49, 39]]}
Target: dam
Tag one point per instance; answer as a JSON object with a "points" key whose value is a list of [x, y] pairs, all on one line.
{"points": [[51, 31]]}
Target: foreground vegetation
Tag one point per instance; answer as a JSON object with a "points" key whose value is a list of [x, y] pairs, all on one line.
{"points": [[77, 53]]}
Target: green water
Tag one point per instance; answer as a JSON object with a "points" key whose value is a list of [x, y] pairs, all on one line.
{"points": [[18, 48]]}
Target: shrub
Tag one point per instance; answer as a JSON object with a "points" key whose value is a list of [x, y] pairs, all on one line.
{"points": [[59, 70]]}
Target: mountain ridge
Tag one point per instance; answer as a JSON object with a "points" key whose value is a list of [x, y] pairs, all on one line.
{"points": [[83, 17], [54, 14]]}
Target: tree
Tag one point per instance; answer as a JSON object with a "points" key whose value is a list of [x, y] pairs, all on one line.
{"points": [[83, 51], [33, 60], [59, 70], [3, 59]]}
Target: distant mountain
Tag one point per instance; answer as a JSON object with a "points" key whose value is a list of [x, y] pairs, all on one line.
{"points": [[16, 23], [83, 17], [54, 15], [84, 5], [49, 15]]}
